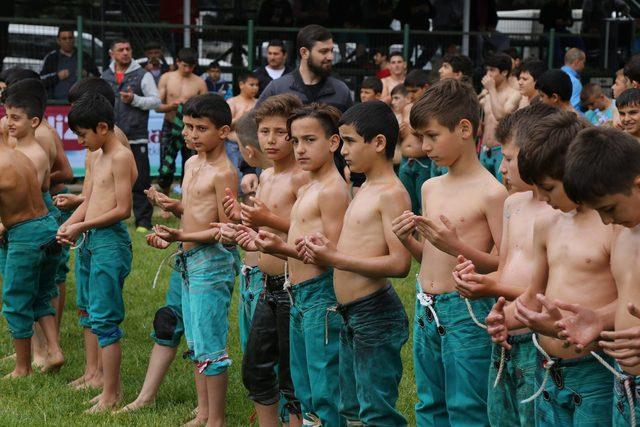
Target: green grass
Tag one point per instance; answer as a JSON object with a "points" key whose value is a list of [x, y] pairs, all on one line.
{"points": [[45, 399]]}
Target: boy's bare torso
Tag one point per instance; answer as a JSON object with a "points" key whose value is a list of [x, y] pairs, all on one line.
{"points": [[506, 95], [20, 195], [578, 248], [467, 212], [179, 89], [411, 144], [40, 158]]}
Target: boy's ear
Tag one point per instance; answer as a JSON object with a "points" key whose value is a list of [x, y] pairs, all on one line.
{"points": [[334, 142], [555, 98], [636, 182], [224, 131], [102, 128], [35, 122], [380, 143], [465, 128]]}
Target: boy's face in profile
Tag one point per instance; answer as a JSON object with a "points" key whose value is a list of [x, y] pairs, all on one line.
{"points": [[274, 138], [442, 145], [509, 168], [185, 69], [497, 75], [18, 123], [367, 95], [446, 71], [620, 85], [358, 154], [552, 192], [311, 145], [186, 134], [90, 139], [527, 85], [203, 134], [398, 102], [630, 119], [620, 208], [249, 87]]}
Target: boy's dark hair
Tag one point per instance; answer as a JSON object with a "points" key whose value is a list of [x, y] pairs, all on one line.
{"points": [[281, 105], [373, 83], [459, 63], [448, 101], [632, 68], [119, 40], [326, 115], [91, 85], [277, 43], [516, 126], [247, 130], [628, 98], [501, 61], [213, 65], [373, 118], [416, 78], [601, 161], [534, 67], [152, 45], [380, 50], [65, 29], [400, 89], [396, 53], [309, 35], [33, 86], [210, 106], [90, 110], [188, 56], [543, 155], [31, 104], [245, 75], [555, 81], [18, 74]]}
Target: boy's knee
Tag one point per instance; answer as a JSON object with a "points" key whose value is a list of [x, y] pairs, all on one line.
{"points": [[165, 328]]}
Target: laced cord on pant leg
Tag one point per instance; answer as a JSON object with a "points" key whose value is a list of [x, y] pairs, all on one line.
{"points": [[82, 239], [287, 284], [329, 310], [626, 380], [162, 263], [547, 365], [500, 367], [473, 315], [427, 301]]}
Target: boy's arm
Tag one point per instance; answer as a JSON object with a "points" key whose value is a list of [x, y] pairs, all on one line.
{"points": [[395, 264], [224, 183], [402, 227], [162, 94], [61, 170]]}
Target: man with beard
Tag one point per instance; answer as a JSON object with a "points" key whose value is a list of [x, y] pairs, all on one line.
{"points": [[276, 64]]}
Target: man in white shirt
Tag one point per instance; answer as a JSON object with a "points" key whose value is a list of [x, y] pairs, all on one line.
{"points": [[276, 64]]}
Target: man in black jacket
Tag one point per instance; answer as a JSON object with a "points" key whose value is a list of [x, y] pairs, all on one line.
{"points": [[276, 64], [60, 66]]}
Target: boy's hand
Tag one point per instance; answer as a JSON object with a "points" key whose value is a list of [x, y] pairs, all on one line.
{"points": [[474, 285], [301, 249], [488, 82], [245, 238], [151, 194], [166, 203], [497, 324], [155, 241], [268, 242], [231, 206], [167, 233], [580, 329], [320, 251], [249, 183], [403, 225], [256, 215], [443, 237], [68, 234], [67, 201], [541, 322], [224, 232], [623, 345]]}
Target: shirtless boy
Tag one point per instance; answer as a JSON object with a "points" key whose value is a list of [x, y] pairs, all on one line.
{"points": [[31, 254], [530, 72], [628, 104], [375, 325], [268, 340], [174, 89], [398, 70], [371, 89], [462, 216], [99, 220], [498, 99], [456, 66], [207, 267], [246, 100], [521, 208], [575, 387], [554, 88], [319, 208], [602, 172]]}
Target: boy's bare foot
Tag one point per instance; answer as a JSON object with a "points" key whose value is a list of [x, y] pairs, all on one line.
{"points": [[196, 422], [16, 374], [38, 362], [104, 406], [78, 381], [94, 382], [53, 363], [135, 405]]}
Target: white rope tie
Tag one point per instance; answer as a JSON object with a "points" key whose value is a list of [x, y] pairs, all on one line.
{"points": [[82, 239], [427, 301], [500, 367], [333, 309], [164, 260], [473, 315], [287, 284], [311, 420], [420, 163], [547, 365], [626, 380]]}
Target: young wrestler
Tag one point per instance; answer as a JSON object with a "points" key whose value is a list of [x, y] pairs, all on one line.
{"points": [[521, 208], [600, 109], [30, 256], [628, 105], [371, 89], [99, 220], [456, 66], [398, 70], [620, 84], [462, 216], [602, 172], [246, 99], [268, 340], [575, 387], [207, 267], [399, 100], [319, 208], [366, 254], [554, 88], [415, 166], [530, 71], [498, 99]]}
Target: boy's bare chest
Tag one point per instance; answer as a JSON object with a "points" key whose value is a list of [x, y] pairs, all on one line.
{"points": [[569, 245], [460, 207], [277, 194]]}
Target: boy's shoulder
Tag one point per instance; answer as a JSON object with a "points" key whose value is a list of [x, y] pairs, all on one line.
{"points": [[392, 194], [299, 178]]}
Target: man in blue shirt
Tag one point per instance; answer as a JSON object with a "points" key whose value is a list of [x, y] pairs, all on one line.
{"points": [[574, 61]]}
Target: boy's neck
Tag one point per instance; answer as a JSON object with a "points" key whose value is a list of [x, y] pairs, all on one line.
{"points": [[284, 164], [29, 137], [111, 143], [246, 97], [213, 154], [380, 171], [323, 171], [467, 162]]}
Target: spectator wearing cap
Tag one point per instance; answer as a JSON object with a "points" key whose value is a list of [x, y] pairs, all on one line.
{"points": [[276, 65]]}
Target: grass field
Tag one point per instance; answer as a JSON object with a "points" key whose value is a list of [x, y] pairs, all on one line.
{"points": [[45, 399]]}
